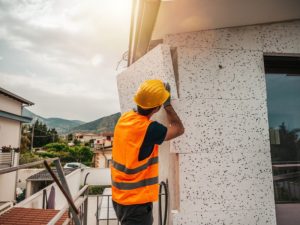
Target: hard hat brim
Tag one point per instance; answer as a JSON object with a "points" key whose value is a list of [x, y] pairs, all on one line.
{"points": [[164, 98]]}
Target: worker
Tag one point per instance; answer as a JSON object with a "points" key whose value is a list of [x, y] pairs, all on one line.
{"points": [[134, 167]]}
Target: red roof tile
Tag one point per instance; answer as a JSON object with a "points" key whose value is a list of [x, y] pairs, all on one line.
{"points": [[26, 216]]}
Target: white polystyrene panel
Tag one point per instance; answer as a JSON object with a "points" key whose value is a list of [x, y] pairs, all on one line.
{"points": [[237, 217], [248, 37], [156, 64], [221, 74], [214, 123], [225, 181], [282, 38]]}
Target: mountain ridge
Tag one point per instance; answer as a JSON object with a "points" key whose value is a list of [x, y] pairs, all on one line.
{"points": [[65, 126]]}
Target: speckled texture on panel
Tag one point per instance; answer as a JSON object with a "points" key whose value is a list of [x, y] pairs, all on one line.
{"points": [[282, 38], [214, 125], [235, 217], [221, 74], [225, 181], [156, 64], [232, 38], [269, 38], [225, 163]]}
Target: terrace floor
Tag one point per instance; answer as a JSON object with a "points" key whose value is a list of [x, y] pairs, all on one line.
{"points": [[288, 214]]}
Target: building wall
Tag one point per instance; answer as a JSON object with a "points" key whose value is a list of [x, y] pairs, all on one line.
{"points": [[223, 100], [10, 105], [9, 133], [36, 200], [23, 174], [224, 162], [97, 176], [101, 161]]}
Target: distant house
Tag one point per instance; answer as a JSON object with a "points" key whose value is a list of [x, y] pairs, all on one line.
{"points": [[97, 138], [85, 137], [103, 151], [11, 119]]}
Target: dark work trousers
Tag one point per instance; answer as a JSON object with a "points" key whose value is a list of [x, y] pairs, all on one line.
{"points": [[134, 214]]}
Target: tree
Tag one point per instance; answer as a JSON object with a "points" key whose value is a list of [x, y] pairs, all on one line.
{"points": [[70, 137], [77, 142], [25, 138], [289, 148], [42, 135]]}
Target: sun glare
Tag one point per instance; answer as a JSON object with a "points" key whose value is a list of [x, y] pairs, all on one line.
{"points": [[119, 8]]}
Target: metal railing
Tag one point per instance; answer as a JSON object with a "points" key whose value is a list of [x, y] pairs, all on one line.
{"points": [[109, 216], [81, 203], [7, 159], [106, 216], [24, 166], [286, 183]]}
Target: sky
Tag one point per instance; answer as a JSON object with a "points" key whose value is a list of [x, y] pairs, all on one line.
{"points": [[283, 93], [63, 55]]}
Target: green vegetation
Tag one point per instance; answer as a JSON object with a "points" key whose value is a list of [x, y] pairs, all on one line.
{"points": [[28, 157], [97, 190], [42, 135], [67, 154], [51, 146]]}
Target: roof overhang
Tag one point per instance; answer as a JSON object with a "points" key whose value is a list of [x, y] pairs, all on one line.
{"points": [[152, 20], [11, 116], [15, 97]]}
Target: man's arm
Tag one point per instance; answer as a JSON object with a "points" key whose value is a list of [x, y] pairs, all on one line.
{"points": [[175, 127]]}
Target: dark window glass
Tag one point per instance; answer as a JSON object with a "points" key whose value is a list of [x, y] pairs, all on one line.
{"points": [[283, 100]]}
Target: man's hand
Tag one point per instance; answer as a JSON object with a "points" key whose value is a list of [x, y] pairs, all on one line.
{"points": [[175, 126], [168, 101]]}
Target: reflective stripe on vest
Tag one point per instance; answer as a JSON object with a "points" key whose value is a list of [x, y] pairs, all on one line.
{"points": [[130, 186], [122, 168]]}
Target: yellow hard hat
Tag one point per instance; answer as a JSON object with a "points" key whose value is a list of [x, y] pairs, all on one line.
{"points": [[151, 93]]}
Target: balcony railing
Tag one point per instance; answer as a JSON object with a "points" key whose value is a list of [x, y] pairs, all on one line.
{"points": [[286, 183], [81, 203], [6, 159]]}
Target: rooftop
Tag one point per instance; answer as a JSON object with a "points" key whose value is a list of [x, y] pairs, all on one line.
{"points": [[23, 216], [16, 97], [45, 175]]}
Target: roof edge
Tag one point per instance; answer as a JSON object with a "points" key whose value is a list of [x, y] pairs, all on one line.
{"points": [[16, 97]]}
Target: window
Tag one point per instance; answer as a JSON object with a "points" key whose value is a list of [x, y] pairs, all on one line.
{"points": [[283, 100]]}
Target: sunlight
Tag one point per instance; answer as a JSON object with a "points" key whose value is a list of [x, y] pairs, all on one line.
{"points": [[119, 8]]}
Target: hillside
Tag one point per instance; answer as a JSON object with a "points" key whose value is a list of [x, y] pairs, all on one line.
{"points": [[61, 125], [64, 126], [104, 124]]}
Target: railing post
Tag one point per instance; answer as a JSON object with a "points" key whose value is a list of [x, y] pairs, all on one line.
{"points": [[97, 212], [64, 183], [107, 218], [85, 207], [45, 202]]}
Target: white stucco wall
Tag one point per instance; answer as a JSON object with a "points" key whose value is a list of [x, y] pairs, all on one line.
{"points": [[23, 174], [9, 132], [7, 184], [97, 176], [8, 104], [225, 174], [225, 170]]}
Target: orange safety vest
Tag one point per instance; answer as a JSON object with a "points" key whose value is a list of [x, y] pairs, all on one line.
{"points": [[133, 181]]}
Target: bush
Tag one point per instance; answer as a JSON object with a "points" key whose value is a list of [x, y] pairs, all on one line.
{"points": [[58, 147], [97, 190], [28, 157]]}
